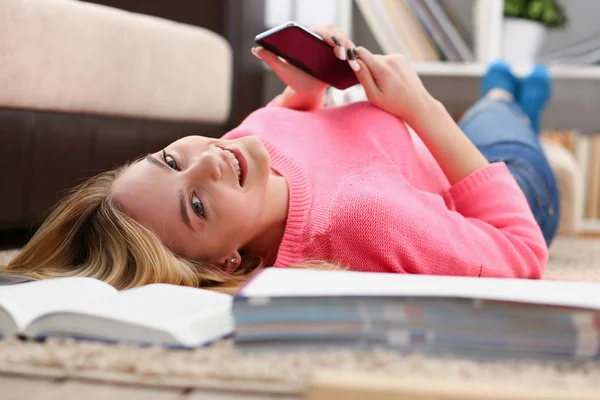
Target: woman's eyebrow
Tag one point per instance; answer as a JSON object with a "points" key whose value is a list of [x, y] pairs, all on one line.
{"points": [[156, 162], [184, 215], [182, 208]]}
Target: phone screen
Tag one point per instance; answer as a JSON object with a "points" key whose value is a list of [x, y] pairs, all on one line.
{"points": [[311, 54]]}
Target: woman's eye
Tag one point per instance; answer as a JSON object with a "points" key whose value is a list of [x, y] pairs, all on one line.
{"points": [[170, 161], [197, 206]]}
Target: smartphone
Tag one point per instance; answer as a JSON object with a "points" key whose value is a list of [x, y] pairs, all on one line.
{"points": [[309, 52]]}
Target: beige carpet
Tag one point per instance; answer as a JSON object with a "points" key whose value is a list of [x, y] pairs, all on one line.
{"points": [[571, 259]]}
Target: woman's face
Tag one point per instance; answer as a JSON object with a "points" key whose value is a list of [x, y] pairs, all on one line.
{"points": [[202, 196]]}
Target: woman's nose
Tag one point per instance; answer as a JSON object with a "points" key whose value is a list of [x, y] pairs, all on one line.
{"points": [[205, 166]]}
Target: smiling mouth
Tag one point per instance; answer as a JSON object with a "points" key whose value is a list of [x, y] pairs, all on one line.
{"points": [[239, 164]]}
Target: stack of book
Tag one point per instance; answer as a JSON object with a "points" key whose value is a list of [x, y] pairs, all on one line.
{"points": [[422, 30], [586, 150], [474, 317]]}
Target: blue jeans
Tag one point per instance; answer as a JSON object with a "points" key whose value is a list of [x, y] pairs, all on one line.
{"points": [[502, 132]]}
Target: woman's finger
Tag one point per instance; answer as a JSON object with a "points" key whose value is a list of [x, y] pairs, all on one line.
{"points": [[373, 63], [287, 73], [325, 33], [352, 61], [366, 79], [341, 36], [279, 66], [335, 38], [339, 49], [332, 38], [274, 62]]}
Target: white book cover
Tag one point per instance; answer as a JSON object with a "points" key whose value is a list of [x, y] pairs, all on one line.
{"points": [[281, 282]]}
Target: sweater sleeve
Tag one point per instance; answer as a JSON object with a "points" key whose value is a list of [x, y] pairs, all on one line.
{"points": [[492, 233]]}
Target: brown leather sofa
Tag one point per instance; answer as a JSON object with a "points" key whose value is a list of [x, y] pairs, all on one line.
{"points": [[85, 87]]}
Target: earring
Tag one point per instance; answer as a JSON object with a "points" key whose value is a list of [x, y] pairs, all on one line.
{"points": [[234, 261]]}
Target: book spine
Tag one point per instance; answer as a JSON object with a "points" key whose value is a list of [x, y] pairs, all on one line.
{"points": [[435, 31], [401, 30], [381, 27], [450, 30], [416, 31]]}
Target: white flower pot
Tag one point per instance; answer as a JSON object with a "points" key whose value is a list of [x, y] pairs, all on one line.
{"points": [[522, 41]]}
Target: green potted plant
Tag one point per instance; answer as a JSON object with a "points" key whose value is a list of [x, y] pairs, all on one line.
{"points": [[525, 25]]}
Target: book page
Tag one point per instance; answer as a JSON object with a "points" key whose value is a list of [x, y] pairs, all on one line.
{"points": [[27, 301], [281, 282], [160, 306]]}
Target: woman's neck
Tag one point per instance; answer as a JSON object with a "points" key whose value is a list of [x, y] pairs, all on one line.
{"points": [[272, 227]]}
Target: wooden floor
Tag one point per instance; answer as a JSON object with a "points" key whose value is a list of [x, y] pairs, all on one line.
{"points": [[324, 387], [14, 387]]}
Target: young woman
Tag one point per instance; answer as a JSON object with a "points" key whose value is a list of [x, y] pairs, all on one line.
{"points": [[343, 187]]}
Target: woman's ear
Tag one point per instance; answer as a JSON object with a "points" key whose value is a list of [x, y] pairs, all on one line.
{"points": [[231, 262]]}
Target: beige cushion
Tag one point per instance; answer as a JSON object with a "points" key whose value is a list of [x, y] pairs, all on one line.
{"points": [[66, 55]]}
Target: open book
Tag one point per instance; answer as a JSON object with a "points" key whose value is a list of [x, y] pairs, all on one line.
{"points": [[88, 308]]}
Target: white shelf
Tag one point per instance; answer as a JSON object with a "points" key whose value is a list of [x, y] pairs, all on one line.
{"points": [[580, 72], [476, 70], [447, 69]]}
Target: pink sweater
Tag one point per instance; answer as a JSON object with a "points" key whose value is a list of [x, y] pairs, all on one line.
{"points": [[367, 194]]}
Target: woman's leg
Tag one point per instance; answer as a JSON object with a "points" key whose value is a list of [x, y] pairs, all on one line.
{"points": [[503, 132]]}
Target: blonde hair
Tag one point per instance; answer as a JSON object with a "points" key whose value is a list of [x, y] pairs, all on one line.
{"points": [[88, 235]]}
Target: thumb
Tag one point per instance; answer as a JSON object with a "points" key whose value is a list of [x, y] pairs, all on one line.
{"points": [[366, 79], [273, 61], [372, 61], [365, 73]]}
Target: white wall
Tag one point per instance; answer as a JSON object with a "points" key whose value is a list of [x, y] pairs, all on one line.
{"points": [[309, 12], [583, 23]]}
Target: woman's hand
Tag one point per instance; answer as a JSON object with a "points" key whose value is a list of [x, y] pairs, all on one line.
{"points": [[391, 84], [304, 91], [294, 77]]}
